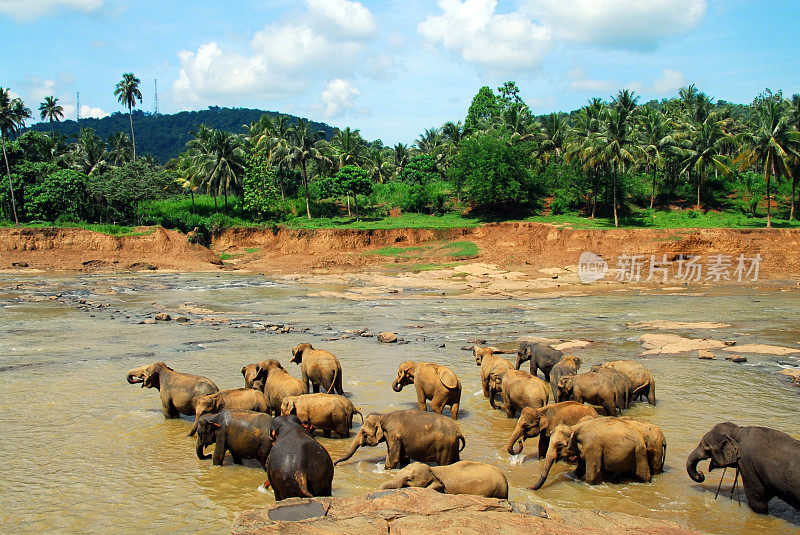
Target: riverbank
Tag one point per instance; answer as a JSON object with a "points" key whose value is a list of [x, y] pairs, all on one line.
{"points": [[491, 259]]}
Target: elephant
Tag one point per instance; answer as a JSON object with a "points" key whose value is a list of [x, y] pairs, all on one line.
{"points": [[767, 460], [542, 421], [328, 412], [179, 391], [568, 365], [542, 357], [654, 440], [463, 477], [235, 399], [298, 465], [591, 387], [641, 378], [519, 389], [318, 367], [488, 361], [410, 434], [599, 444], [622, 385], [244, 433], [432, 382], [271, 378]]}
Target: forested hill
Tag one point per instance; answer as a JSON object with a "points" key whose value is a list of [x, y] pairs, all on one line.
{"points": [[165, 136]]}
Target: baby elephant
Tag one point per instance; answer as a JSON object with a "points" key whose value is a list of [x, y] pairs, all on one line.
{"points": [[519, 389], [319, 367], [463, 477], [328, 412], [433, 382], [542, 356], [568, 365], [244, 433], [298, 466], [241, 399]]}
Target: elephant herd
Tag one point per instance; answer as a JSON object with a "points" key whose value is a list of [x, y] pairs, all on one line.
{"points": [[273, 417]]}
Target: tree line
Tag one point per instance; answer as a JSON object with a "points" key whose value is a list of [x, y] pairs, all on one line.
{"points": [[604, 159]]}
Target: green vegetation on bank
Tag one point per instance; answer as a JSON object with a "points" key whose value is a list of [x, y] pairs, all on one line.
{"points": [[687, 161]]}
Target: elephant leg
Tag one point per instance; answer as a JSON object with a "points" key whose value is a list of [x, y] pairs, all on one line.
{"points": [[304, 378], [422, 400], [546, 375], [651, 394], [454, 410], [326, 433], [338, 384], [533, 367], [580, 470], [642, 465], [492, 394], [544, 444], [509, 406], [219, 449], [485, 384], [438, 402], [168, 408], [394, 453], [236, 458], [610, 406], [593, 464], [315, 386]]}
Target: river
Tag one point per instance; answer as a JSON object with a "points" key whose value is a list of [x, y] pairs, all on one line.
{"points": [[85, 451]]}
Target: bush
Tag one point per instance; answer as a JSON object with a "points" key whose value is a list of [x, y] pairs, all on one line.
{"points": [[260, 196], [420, 169], [60, 194]]}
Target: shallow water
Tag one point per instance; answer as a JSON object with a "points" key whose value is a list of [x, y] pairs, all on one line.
{"points": [[87, 452]]}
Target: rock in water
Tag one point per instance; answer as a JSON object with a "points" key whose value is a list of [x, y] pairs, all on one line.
{"points": [[387, 338], [736, 358], [163, 317], [705, 354]]}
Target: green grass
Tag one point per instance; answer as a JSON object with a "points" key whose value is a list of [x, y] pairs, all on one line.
{"points": [[251, 250], [408, 220], [668, 220], [111, 230], [423, 254]]}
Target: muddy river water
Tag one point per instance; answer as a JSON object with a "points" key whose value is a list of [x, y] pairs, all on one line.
{"points": [[84, 451]]}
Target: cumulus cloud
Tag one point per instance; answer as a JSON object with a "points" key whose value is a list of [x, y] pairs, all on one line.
{"points": [[496, 43], [281, 59], [26, 10], [669, 82], [338, 97], [86, 112], [617, 23]]}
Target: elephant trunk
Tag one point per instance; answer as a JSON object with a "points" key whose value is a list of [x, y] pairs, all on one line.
{"points": [[517, 437], [134, 378], [397, 386], [357, 442], [200, 449], [391, 484], [691, 464], [520, 360], [549, 461]]}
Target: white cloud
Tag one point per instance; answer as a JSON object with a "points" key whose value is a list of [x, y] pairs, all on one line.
{"points": [[496, 43], [591, 84], [338, 97], [282, 59], [666, 83], [26, 10], [38, 88], [86, 112], [617, 23], [669, 82]]}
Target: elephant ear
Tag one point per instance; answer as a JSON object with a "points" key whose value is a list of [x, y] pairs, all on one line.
{"points": [[448, 378], [379, 434], [435, 484], [729, 450]]}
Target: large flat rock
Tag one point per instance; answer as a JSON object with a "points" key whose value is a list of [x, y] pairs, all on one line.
{"points": [[427, 512]]}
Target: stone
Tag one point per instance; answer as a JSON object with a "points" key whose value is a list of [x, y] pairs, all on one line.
{"points": [[182, 319], [427, 512], [659, 344], [478, 341], [705, 354], [440, 345], [19, 264], [367, 335], [736, 358], [387, 338], [163, 316], [148, 321], [793, 374], [729, 342]]}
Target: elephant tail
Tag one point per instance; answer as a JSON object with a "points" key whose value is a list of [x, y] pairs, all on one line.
{"points": [[333, 382], [356, 411], [463, 443], [302, 485]]}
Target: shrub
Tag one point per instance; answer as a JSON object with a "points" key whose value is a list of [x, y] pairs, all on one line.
{"points": [[420, 169], [63, 193]]}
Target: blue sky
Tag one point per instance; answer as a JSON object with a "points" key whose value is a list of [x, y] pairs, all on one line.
{"points": [[394, 67]]}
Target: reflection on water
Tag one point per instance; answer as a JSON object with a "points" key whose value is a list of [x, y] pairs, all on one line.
{"points": [[88, 452]]}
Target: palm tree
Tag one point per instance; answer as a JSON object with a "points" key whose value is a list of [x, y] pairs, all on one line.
{"points": [[127, 92], [51, 110], [655, 141], [89, 153], [219, 161], [430, 140], [771, 144], [612, 146], [379, 165], [349, 147], [553, 139], [401, 156], [625, 101], [120, 147], [302, 149], [703, 150], [12, 115], [579, 146]]}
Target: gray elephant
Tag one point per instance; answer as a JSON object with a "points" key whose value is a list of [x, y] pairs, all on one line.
{"points": [[318, 367], [244, 433], [179, 391], [768, 460], [410, 434], [327, 412], [542, 421], [234, 399], [463, 477], [542, 356], [641, 378]]}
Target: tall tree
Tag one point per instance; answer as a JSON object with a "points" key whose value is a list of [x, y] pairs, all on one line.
{"points": [[51, 110], [704, 150], [772, 144], [302, 150], [127, 93], [484, 108], [12, 115], [655, 142], [120, 148], [220, 160]]}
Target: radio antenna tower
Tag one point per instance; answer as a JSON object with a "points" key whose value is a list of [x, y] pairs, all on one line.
{"points": [[78, 105], [155, 110]]}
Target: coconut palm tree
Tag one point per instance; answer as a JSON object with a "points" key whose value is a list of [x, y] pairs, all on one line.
{"points": [[430, 140], [553, 139], [773, 145], [89, 153], [349, 147], [302, 150], [625, 101], [655, 142], [219, 158], [379, 164], [121, 149], [401, 157], [704, 149], [127, 93], [518, 121], [12, 115], [612, 146], [51, 110]]}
